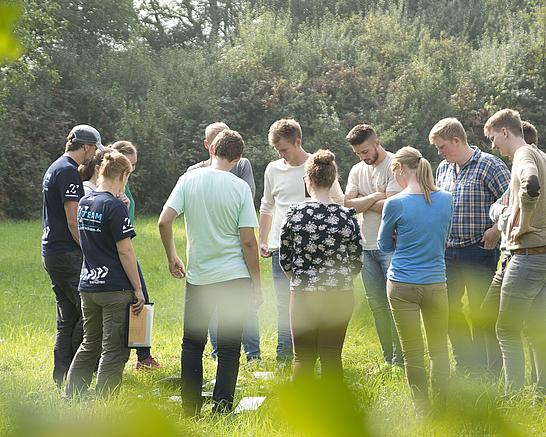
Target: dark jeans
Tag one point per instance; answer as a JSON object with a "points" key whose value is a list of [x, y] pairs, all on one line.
{"points": [[64, 271], [282, 289], [231, 300], [470, 268], [319, 324], [374, 276], [251, 335], [143, 352]]}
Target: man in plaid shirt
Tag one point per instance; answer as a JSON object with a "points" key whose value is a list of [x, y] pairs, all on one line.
{"points": [[476, 179]]}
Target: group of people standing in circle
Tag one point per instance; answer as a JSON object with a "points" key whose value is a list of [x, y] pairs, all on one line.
{"points": [[419, 243]]}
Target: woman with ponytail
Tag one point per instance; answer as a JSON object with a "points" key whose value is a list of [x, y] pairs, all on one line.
{"points": [[145, 360], [109, 280], [415, 226], [320, 252]]}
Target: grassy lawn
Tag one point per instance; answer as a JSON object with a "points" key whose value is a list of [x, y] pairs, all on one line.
{"points": [[379, 403]]}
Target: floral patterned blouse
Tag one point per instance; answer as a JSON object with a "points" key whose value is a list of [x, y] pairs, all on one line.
{"points": [[322, 246]]}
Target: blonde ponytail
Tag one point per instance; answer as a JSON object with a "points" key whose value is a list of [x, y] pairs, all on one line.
{"points": [[413, 159]]}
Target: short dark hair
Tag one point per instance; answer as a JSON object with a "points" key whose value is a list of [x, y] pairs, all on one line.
{"points": [[228, 145], [359, 134], [71, 145], [530, 134]]}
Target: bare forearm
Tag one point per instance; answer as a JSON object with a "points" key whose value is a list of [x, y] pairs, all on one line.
{"points": [[167, 238], [73, 228], [129, 264], [250, 254], [361, 204], [378, 206], [265, 227], [71, 213]]}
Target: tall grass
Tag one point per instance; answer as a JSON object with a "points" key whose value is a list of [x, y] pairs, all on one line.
{"points": [[377, 404]]}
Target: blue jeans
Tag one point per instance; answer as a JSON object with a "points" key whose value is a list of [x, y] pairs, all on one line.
{"points": [[523, 300], [471, 268], [251, 335], [282, 289], [374, 276]]}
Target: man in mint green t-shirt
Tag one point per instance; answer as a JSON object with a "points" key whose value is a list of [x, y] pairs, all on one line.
{"points": [[222, 266]]}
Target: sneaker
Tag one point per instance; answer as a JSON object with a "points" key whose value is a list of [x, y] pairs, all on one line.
{"points": [[149, 363]]}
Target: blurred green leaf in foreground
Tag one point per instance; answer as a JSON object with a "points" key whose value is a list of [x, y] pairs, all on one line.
{"points": [[10, 47]]}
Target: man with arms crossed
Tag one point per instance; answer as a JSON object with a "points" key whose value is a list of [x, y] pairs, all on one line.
{"points": [[243, 170], [370, 182], [284, 185], [62, 258], [523, 290], [223, 267], [476, 179]]}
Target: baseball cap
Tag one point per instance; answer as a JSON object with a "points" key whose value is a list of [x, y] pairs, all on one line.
{"points": [[85, 134]]}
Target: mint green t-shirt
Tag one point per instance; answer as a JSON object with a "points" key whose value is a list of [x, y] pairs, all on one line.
{"points": [[215, 205]]}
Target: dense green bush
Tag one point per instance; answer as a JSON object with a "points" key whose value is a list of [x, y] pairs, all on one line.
{"points": [[148, 76]]}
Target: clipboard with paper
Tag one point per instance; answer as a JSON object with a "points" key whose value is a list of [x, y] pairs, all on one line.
{"points": [[139, 332]]}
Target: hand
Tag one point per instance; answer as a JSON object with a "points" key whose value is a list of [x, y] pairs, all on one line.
{"points": [[264, 250], [257, 297], [518, 231], [491, 237], [505, 200], [124, 199], [177, 268], [139, 304]]}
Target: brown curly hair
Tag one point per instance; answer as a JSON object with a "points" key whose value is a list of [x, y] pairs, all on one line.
{"points": [[321, 168]]}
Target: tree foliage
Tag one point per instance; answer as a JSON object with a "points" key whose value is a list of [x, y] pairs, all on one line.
{"points": [[157, 72]]}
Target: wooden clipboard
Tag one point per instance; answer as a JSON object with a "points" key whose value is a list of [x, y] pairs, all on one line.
{"points": [[139, 332]]}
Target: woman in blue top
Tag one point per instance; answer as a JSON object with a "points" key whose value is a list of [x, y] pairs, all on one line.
{"points": [[415, 226], [109, 280]]}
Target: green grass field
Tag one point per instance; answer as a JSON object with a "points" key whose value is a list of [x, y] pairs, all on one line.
{"points": [[380, 404]]}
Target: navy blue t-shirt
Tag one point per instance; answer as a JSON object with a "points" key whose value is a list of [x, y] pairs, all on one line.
{"points": [[102, 221], [61, 184]]}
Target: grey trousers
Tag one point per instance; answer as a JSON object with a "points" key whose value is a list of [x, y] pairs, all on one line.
{"points": [[105, 335], [523, 301]]}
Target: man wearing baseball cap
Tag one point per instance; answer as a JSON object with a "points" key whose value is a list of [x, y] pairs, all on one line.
{"points": [[61, 190]]}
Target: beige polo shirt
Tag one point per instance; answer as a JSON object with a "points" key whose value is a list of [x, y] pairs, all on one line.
{"points": [[366, 179]]}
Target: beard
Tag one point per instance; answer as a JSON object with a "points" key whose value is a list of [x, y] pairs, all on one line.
{"points": [[372, 160]]}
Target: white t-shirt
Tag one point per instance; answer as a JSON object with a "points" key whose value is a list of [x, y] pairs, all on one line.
{"points": [[88, 187], [283, 186], [364, 180], [215, 205]]}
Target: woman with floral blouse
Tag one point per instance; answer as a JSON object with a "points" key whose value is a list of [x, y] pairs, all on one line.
{"points": [[320, 252]]}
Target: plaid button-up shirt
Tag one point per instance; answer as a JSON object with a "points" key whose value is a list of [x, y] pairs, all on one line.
{"points": [[475, 187]]}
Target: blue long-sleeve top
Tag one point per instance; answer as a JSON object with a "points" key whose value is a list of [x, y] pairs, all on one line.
{"points": [[417, 233]]}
